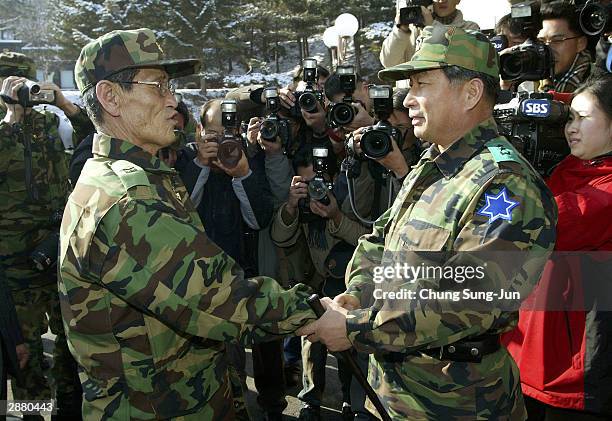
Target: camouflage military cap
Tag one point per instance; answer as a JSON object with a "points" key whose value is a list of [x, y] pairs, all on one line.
{"points": [[120, 50], [442, 46], [16, 64]]}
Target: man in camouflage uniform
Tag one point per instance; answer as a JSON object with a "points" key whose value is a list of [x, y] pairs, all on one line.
{"points": [[470, 195], [33, 189], [147, 299]]}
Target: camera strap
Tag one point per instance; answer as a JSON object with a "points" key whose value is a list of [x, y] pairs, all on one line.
{"points": [[26, 138]]}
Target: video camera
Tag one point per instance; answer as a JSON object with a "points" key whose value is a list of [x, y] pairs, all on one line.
{"points": [[526, 17], [29, 95], [230, 145], [412, 12], [534, 123], [342, 113], [273, 125], [319, 186], [527, 61], [308, 98], [594, 17], [376, 141]]}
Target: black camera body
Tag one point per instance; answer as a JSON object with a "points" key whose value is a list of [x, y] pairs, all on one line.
{"points": [[230, 144], [273, 125], [308, 98], [527, 61], [525, 16], [30, 94], [534, 124], [44, 257], [319, 186], [376, 141], [342, 113], [594, 17], [412, 14]]}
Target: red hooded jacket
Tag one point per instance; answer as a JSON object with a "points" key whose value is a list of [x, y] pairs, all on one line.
{"points": [[565, 357]]}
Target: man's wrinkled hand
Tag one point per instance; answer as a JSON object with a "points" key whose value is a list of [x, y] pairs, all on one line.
{"points": [[330, 329], [347, 301]]}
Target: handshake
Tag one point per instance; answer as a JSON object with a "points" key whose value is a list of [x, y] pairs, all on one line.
{"points": [[330, 328]]}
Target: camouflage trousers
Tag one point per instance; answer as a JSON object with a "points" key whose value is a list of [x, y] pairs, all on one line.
{"points": [[237, 377], [32, 306]]}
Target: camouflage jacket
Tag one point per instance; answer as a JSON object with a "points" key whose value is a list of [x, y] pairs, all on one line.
{"points": [[477, 196], [27, 207], [147, 299]]}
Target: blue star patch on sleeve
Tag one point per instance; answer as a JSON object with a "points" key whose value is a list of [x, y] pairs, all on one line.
{"points": [[498, 206]]}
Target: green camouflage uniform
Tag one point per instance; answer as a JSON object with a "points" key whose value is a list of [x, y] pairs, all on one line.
{"points": [[26, 209], [443, 207], [147, 299]]}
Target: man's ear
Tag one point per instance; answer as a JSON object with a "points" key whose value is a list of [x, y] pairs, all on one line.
{"points": [[473, 91], [109, 97]]}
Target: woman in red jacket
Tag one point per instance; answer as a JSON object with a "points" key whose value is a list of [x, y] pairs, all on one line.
{"points": [[565, 353]]}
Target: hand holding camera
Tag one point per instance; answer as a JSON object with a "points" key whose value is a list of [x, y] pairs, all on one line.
{"points": [[20, 93], [415, 12], [297, 191], [316, 119], [207, 149], [327, 211]]}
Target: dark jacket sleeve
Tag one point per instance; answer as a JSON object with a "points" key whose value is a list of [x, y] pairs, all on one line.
{"points": [[10, 332], [81, 125], [81, 154]]}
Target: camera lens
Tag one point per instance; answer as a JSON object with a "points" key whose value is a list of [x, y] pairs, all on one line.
{"points": [[317, 189], [594, 19], [375, 144], [514, 65], [308, 102], [269, 129], [342, 114], [230, 152]]}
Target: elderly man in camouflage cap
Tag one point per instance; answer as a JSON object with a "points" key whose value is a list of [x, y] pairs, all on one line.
{"points": [[471, 194], [147, 299]]}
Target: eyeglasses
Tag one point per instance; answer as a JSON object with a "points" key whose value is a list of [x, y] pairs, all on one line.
{"points": [[556, 40], [164, 87]]}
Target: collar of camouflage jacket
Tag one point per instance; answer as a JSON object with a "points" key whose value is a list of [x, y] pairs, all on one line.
{"points": [[113, 148], [452, 159]]}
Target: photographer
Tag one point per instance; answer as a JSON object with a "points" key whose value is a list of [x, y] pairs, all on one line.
{"points": [[562, 33], [400, 44], [514, 32], [34, 187], [329, 233], [233, 203], [563, 352], [399, 159]]}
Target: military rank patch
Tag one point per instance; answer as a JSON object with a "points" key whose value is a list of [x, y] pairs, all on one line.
{"points": [[498, 206]]}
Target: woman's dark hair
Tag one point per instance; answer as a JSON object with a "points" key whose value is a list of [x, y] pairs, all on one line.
{"points": [[600, 86]]}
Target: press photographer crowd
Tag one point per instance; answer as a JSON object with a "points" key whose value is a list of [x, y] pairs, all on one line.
{"points": [[165, 244]]}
